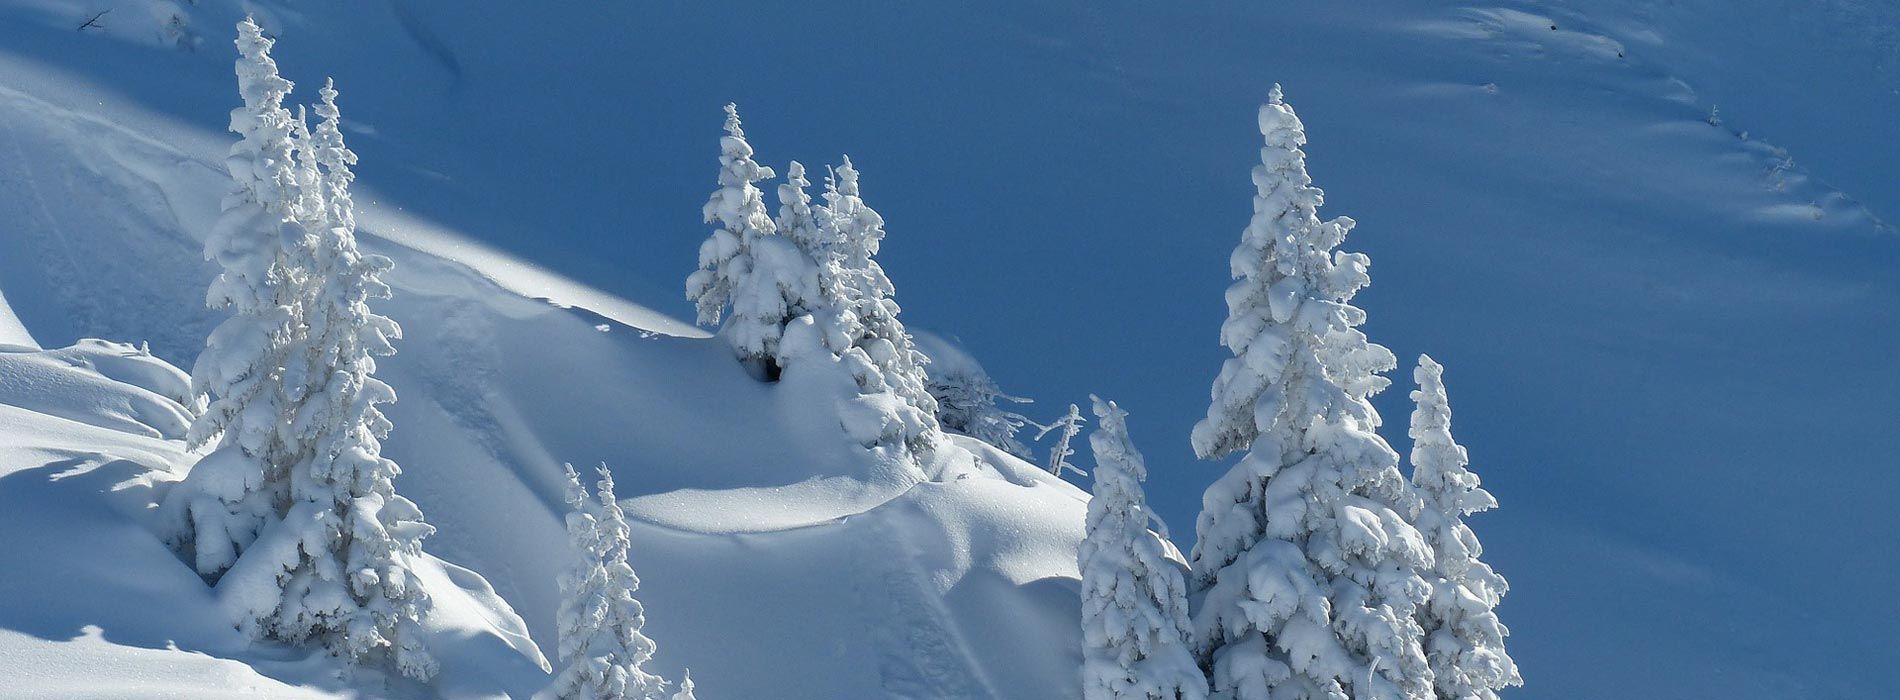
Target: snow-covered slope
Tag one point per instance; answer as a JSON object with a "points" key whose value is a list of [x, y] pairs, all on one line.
{"points": [[776, 559], [1666, 334]]}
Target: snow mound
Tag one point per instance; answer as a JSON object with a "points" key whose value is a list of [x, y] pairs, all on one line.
{"points": [[88, 445], [100, 383]]}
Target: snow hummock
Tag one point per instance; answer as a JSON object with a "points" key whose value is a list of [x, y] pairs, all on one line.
{"points": [[109, 610]]}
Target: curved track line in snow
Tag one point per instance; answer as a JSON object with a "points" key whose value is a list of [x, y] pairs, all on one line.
{"points": [[1573, 37], [75, 270], [921, 652]]}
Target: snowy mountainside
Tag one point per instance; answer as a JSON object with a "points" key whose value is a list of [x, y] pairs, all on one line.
{"points": [[786, 554], [1650, 241]]}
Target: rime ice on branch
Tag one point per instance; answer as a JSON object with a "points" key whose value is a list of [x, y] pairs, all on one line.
{"points": [[1069, 425], [966, 403]]}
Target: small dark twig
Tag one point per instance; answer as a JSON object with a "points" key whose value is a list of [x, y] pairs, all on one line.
{"points": [[93, 21]]}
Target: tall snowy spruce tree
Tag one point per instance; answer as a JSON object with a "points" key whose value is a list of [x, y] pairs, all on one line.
{"points": [[1464, 640], [765, 278], [294, 513], [1134, 602], [337, 568], [1306, 568], [797, 220], [861, 319], [603, 653], [241, 486]]}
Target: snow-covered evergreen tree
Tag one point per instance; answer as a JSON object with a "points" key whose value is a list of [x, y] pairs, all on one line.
{"points": [[1134, 601], [764, 277], [796, 219], [328, 151], [241, 486], [295, 513], [967, 404], [739, 210], [686, 686], [1464, 639], [1070, 425], [1307, 569], [861, 323], [341, 562], [602, 651], [307, 207]]}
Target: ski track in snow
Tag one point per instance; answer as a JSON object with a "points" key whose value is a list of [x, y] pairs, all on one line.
{"points": [[921, 653], [1517, 34], [102, 294]]}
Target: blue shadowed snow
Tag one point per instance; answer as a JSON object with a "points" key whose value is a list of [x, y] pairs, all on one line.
{"points": [[1666, 334]]}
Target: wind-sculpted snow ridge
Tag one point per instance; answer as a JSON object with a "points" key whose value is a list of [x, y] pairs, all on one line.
{"points": [[108, 385]]}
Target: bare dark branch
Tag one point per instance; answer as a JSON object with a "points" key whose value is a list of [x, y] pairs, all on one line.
{"points": [[93, 21]]}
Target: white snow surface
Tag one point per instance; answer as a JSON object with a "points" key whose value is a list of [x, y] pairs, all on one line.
{"points": [[12, 332], [786, 566], [790, 554]]}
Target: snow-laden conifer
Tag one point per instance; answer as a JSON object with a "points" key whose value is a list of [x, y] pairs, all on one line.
{"points": [[1069, 425], [732, 207], [1134, 601], [1464, 640], [327, 150], [764, 277], [1307, 568], [796, 219], [686, 687], [602, 651], [307, 207], [861, 323], [341, 559], [240, 487]]}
